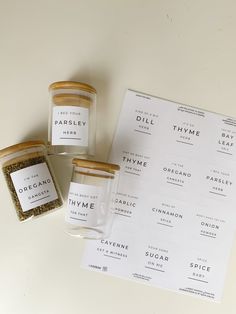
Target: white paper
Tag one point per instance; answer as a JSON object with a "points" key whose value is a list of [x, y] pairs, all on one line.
{"points": [[175, 207]]}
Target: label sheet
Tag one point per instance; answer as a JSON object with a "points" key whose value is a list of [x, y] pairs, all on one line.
{"points": [[175, 207]]}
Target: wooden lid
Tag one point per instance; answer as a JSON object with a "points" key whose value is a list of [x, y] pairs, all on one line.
{"points": [[71, 100], [96, 165], [21, 146], [72, 85]]}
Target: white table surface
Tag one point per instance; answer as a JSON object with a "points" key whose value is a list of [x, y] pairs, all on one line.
{"points": [[180, 50]]}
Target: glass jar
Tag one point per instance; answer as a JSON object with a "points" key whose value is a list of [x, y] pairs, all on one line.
{"points": [[89, 209], [72, 119], [30, 180]]}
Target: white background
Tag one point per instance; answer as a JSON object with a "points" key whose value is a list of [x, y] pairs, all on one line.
{"points": [[181, 50]]}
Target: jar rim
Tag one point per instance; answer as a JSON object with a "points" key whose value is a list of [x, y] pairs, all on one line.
{"points": [[72, 85], [20, 146], [96, 165]]}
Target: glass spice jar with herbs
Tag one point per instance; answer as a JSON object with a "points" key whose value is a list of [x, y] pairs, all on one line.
{"points": [[30, 180], [72, 119]]}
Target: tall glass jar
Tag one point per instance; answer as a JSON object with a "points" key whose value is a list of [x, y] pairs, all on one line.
{"points": [[30, 179], [72, 118], [89, 211]]}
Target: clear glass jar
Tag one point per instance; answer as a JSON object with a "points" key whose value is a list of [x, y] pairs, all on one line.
{"points": [[89, 211], [30, 180], [72, 118]]}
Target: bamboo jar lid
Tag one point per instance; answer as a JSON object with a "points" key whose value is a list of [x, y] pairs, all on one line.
{"points": [[21, 146], [96, 165], [72, 85], [72, 100]]}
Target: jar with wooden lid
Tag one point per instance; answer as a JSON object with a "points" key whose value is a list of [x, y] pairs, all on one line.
{"points": [[72, 119], [30, 179], [89, 211]]}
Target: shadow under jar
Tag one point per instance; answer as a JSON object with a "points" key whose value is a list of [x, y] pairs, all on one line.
{"points": [[72, 119], [30, 180], [89, 212]]}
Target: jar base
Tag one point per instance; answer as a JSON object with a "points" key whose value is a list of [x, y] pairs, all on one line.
{"points": [[64, 150]]}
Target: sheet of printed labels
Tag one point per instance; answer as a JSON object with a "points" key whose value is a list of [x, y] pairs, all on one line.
{"points": [[175, 210]]}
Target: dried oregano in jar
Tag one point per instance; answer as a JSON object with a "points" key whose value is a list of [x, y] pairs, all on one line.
{"points": [[30, 180]]}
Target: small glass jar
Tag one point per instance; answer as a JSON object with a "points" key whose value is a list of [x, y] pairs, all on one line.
{"points": [[89, 211], [72, 119], [30, 180]]}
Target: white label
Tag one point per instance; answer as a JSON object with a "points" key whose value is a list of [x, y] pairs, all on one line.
{"points": [[83, 205], [34, 186], [70, 126]]}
